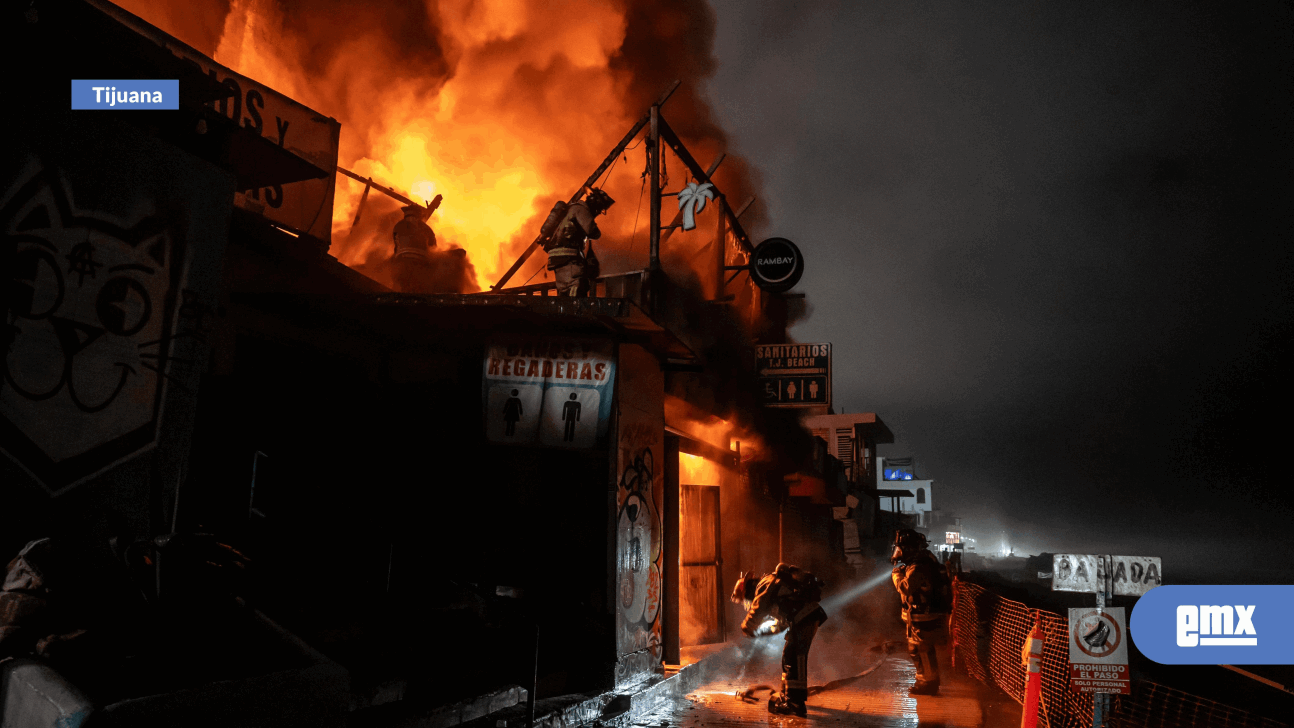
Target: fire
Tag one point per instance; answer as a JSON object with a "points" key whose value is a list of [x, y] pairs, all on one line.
{"points": [[529, 108], [423, 190], [501, 106], [725, 434], [715, 431], [696, 470]]}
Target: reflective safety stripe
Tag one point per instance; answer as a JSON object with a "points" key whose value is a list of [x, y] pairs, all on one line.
{"points": [[923, 617], [797, 683], [558, 252]]}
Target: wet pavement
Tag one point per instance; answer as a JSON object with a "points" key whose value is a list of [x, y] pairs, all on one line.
{"points": [[879, 698]]}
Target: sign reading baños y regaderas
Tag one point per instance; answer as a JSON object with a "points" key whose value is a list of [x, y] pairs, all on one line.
{"points": [[549, 392]]}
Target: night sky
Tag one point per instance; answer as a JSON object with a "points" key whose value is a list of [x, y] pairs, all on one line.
{"points": [[1050, 243]]}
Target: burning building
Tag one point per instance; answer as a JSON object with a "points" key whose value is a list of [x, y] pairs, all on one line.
{"points": [[439, 492]]}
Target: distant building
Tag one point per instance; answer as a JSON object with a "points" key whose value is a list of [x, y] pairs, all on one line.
{"points": [[852, 439], [901, 473]]}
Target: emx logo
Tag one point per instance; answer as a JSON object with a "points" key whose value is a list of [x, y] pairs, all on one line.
{"points": [[1215, 625], [1207, 619]]}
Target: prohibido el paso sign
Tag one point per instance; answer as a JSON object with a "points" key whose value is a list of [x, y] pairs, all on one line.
{"points": [[1098, 650]]}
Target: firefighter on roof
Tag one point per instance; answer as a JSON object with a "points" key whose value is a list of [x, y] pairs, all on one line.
{"points": [[923, 586], [414, 242], [784, 601], [570, 229]]}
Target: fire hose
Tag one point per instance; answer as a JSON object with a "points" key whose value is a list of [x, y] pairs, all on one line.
{"points": [[748, 695]]}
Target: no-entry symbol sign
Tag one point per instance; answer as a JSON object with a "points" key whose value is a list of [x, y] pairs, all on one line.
{"points": [[1098, 651]]}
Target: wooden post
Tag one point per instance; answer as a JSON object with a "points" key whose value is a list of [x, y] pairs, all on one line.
{"points": [[720, 246], [720, 594], [362, 199], [1101, 701], [368, 182], [593, 178], [670, 579], [653, 180], [534, 682]]}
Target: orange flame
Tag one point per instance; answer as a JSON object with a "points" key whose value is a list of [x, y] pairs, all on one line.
{"points": [[501, 106], [698, 425], [696, 470], [531, 107]]}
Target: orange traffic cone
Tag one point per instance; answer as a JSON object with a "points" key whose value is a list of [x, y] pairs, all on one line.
{"points": [[1031, 657]]}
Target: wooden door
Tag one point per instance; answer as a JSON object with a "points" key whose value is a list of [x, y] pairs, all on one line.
{"points": [[700, 566]]}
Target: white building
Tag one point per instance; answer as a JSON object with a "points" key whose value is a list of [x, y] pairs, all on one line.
{"points": [[851, 439], [900, 474]]}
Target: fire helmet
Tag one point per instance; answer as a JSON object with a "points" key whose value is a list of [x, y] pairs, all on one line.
{"points": [[599, 201], [416, 210], [907, 544], [744, 590]]}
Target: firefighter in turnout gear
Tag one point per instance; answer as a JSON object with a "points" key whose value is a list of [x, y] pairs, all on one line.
{"points": [[927, 596], [784, 601], [571, 230], [414, 242]]}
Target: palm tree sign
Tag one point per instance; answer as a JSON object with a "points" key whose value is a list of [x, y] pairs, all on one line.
{"points": [[691, 200]]}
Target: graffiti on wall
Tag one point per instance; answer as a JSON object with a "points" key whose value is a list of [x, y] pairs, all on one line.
{"points": [[87, 332], [639, 545]]}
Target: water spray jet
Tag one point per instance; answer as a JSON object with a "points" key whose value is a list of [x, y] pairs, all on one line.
{"points": [[836, 601]]}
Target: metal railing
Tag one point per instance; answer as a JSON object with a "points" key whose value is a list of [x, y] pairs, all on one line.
{"points": [[615, 285]]}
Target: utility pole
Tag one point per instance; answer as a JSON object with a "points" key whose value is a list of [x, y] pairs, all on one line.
{"points": [[593, 178], [720, 246], [781, 508], [652, 285], [1104, 593]]}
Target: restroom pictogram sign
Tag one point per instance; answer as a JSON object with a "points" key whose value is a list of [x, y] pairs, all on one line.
{"points": [[794, 375]]}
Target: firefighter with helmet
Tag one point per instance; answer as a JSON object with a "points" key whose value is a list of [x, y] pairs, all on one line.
{"points": [[784, 601], [570, 230], [926, 594], [414, 241]]}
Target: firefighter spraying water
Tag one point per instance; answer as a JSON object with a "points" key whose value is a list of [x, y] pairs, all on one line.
{"points": [[926, 594], [784, 601]]}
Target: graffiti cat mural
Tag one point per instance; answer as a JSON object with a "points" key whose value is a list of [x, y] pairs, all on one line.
{"points": [[87, 329]]}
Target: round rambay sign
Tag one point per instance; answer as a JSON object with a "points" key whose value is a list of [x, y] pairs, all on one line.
{"points": [[776, 265]]}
